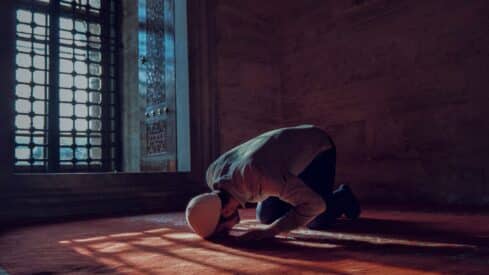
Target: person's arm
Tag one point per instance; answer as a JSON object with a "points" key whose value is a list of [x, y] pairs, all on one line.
{"points": [[307, 205]]}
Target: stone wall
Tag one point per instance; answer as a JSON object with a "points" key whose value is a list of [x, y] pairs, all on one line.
{"points": [[402, 87], [248, 76]]}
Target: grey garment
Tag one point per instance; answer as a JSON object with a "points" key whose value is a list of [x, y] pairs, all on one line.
{"points": [[268, 165]]}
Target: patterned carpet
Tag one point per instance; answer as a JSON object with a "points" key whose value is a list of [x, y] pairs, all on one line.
{"points": [[382, 242]]}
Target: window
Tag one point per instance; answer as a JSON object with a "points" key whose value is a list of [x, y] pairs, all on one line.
{"points": [[66, 101]]}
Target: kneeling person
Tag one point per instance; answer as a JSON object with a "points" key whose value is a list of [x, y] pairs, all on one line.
{"points": [[289, 172]]}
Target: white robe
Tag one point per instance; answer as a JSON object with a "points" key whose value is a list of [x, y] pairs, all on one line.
{"points": [[268, 165]]}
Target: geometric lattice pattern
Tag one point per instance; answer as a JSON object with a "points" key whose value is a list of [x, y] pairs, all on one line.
{"points": [[31, 90], [66, 85], [156, 137], [158, 43]]}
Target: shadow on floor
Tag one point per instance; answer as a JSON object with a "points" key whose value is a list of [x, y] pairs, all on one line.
{"points": [[390, 242], [418, 231]]}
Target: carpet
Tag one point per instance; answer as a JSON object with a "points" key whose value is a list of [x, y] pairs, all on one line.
{"points": [[381, 242]]}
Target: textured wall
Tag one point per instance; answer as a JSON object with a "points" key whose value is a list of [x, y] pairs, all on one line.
{"points": [[35, 198], [403, 88], [247, 72]]}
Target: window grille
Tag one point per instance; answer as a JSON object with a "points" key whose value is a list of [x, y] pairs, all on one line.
{"points": [[67, 82]]}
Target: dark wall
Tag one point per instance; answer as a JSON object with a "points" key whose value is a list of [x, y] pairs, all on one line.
{"points": [[248, 80], [56, 197], [403, 88]]}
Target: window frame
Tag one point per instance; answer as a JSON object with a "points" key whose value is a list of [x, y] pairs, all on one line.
{"points": [[110, 118], [33, 197]]}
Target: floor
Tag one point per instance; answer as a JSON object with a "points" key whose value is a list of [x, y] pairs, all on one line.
{"points": [[382, 242]]}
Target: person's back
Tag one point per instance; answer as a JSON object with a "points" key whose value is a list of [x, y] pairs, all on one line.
{"points": [[290, 149], [262, 166]]}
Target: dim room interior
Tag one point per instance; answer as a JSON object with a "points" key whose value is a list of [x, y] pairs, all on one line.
{"points": [[112, 111]]}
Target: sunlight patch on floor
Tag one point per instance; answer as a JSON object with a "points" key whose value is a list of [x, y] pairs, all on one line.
{"points": [[167, 249]]}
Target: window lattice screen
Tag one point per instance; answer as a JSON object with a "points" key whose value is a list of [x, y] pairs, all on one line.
{"points": [[66, 85]]}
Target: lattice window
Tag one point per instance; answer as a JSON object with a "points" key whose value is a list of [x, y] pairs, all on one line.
{"points": [[66, 85]]}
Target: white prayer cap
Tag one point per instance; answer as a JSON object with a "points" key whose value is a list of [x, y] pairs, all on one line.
{"points": [[203, 213]]}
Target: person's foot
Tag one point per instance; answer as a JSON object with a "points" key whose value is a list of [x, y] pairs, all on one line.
{"points": [[322, 222], [350, 203]]}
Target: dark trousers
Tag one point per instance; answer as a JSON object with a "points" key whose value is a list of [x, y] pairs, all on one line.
{"points": [[319, 175]]}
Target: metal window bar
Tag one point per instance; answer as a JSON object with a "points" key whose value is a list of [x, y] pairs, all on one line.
{"points": [[67, 116]]}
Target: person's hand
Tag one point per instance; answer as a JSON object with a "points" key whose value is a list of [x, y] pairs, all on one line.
{"points": [[256, 235]]}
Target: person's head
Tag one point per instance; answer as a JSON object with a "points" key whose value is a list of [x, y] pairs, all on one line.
{"points": [[212, 213]]}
